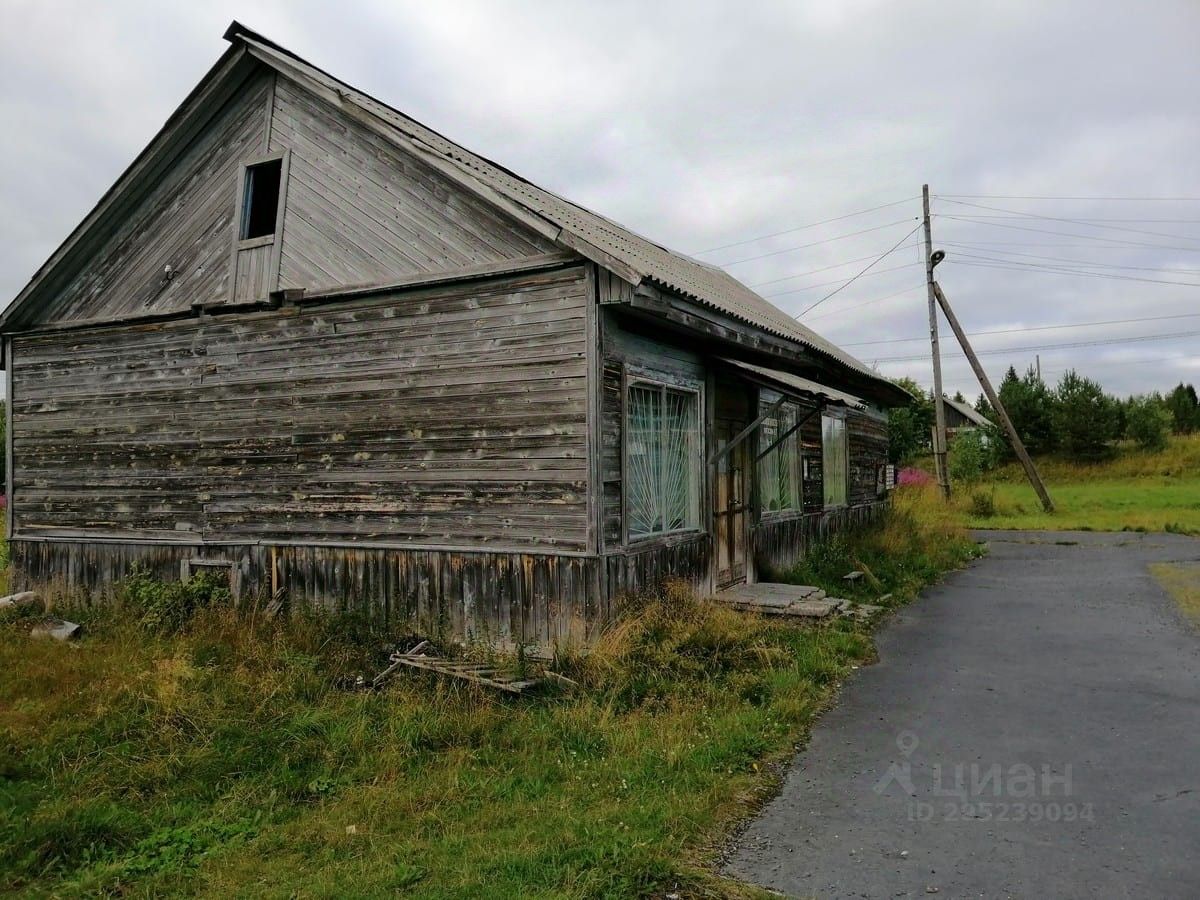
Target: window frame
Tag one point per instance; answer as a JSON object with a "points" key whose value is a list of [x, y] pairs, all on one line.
{"points": [[795, 410], [836, 416], [240, 243], [636, 378]]}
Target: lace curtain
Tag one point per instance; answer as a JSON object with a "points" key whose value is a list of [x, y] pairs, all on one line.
{"points": [[662, 454], [779, 471], [834, 459]]}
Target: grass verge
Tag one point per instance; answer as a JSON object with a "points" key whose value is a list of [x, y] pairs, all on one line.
{"points": [[209, 754], [1182, 582], [1136, 490]]}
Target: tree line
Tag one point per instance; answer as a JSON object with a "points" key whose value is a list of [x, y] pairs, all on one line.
{"points": [[1076, 417]]}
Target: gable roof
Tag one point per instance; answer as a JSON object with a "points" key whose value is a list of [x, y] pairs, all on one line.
{"points": [[592, 235], [967, 411], [646, 259]]}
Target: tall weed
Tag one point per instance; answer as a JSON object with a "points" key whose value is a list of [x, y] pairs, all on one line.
{"points": [[918, 538]]}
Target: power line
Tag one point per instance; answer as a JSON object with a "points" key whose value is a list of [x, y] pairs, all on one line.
{"points": [[1024, 243], [925, 337], [1013, 265], [763, 237], [846, 309], [816, 243], [1089, 220], [1122, 199], [815, 271], [1082, 268], [1024, 215], [853, 279], [1079, 262], [1070, 346], [1086, 237], [820, 284]]}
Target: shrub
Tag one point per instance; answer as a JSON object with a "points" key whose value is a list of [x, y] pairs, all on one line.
{"points": [[972, 454], [913, 476], [167, 606], [982, 504], [1148, 422]]}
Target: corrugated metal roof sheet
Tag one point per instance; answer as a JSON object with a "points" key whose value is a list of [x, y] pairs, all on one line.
{"points": [[696, 280], [786, 380]]}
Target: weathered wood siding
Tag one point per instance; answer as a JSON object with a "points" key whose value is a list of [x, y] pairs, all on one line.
{"points": [[449, 417], [538, 600], [782, 542], [867, 432], [186, 222], [360, 210]]}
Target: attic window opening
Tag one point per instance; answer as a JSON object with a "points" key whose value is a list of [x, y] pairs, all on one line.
{"points": [[260, 205]]}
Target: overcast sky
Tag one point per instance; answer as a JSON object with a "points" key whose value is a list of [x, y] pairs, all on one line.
{"points": [[704, 124]]}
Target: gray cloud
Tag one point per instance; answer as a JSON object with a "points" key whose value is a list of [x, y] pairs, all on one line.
{"points": [[700, 124]]}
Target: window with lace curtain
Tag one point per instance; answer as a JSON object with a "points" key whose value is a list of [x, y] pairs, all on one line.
{"points": [[835, 460], [662, 456], [779, 474]]}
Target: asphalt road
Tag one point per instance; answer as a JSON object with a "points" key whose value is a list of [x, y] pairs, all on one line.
{"points": [[1032, 729]]}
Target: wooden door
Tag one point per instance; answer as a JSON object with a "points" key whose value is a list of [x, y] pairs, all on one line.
{"points": [[730, 506]]}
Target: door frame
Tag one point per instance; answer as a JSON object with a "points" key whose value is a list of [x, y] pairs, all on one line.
{"points": [[716, 388]]}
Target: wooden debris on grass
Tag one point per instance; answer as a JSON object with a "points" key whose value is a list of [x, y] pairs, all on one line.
{"points": [[487, 674]]}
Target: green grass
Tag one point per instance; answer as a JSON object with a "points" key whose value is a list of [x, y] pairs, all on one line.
{"points": [[1134, 491], [920, 539], [218, 757]]}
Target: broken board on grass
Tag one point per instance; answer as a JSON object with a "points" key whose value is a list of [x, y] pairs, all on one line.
{"points": [[486, 674]]}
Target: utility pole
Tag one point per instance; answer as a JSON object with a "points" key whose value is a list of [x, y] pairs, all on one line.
{"points": [[1037, 359], [939, 408], [1001, 413]]}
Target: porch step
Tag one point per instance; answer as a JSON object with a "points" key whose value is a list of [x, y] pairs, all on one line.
{"points": [[773, 599]]}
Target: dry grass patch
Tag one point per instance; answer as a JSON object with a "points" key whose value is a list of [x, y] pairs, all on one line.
{"points": [[1182, 582]]}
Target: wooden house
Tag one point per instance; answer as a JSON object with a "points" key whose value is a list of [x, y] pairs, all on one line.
{"points": [[962, 416], [307, 340]]}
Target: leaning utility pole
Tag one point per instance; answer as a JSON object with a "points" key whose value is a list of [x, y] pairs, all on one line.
{"points": [[1001, 413], [939, 408]]}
